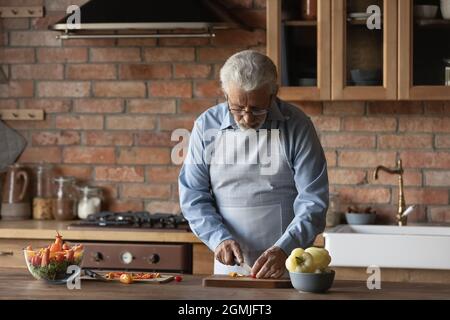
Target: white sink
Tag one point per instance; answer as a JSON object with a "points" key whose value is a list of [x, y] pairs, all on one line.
{"points": [[415, 247]]}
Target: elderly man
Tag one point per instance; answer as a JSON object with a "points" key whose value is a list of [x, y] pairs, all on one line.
{"points": [[246, 214]]}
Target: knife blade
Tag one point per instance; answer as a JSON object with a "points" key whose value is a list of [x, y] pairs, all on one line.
{"points": [[245, 266]]}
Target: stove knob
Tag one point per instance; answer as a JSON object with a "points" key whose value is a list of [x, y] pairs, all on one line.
{"points": [[97, 256], [153, 259], [126, 257]]}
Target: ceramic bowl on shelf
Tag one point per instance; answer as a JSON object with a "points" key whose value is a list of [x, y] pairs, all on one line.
{"points": [[424, 11], [364, 77], [360, 218]]}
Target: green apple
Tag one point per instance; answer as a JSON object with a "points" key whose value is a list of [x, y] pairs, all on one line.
{"points": [[291, 263], [305, 263], [297, 252], [321, 257]]}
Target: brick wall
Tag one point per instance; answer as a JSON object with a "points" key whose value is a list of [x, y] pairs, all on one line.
{"points": [[111, 106]]}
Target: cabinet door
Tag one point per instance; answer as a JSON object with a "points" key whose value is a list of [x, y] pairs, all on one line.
{"points": [[300, 46], [364, 49], [424, 54]]}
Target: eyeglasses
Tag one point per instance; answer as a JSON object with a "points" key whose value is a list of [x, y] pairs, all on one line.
{"points": [[254, 111]]}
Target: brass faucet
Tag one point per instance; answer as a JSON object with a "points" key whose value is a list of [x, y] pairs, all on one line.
{"points": [[401, 218]]}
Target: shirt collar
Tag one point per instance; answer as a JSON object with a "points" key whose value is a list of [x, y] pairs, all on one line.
{"points": [[274, 114]]}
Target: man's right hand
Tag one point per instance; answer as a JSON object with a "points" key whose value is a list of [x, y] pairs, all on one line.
{"points": [[228, 253]]}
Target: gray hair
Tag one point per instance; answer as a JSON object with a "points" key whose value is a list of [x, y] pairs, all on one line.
{"points": [[249, 70]]}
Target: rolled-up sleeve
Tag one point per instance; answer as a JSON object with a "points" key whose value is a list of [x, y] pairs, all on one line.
{"points": [[311, 180], [197, 202]]}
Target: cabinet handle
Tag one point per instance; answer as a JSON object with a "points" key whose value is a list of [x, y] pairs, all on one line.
{"points": [[6, 253]]}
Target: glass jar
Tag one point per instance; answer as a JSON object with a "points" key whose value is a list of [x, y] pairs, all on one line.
{"points": [[65, 203], [333, 214], [90, 201], [43, 200], [447, 72]]}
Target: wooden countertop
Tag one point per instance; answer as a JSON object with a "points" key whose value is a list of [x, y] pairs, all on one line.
{"points": [[34, 229], [19, 284]]}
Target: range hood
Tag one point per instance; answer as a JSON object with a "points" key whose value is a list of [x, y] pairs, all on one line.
{"points": [[148, 19]]}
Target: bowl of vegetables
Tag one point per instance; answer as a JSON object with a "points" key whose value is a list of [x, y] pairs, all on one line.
{"points": [[51, 263]]}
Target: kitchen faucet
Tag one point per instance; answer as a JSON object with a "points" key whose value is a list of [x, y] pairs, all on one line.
{"points": [[401, 216]]}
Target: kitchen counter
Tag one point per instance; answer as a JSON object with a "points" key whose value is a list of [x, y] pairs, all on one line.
{"points": [[19, 284]]}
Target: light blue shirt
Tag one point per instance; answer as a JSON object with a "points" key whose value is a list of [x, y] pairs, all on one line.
{"points": [[306, 158]]}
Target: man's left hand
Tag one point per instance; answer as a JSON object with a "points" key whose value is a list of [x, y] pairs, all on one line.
{"points": [[271, 264]]}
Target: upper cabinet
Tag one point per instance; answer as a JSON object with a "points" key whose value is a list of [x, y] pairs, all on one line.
{"points": [[424, 52], [358, 50]]}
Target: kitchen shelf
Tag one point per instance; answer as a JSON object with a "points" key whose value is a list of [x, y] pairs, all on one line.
{"points": [[300, 23], [432, 23]]}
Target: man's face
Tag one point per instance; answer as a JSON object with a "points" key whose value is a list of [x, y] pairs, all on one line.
{"points": [[249, 109]]}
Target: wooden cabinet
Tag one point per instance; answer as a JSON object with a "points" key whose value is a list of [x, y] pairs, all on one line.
{"points": [[400, 59]]}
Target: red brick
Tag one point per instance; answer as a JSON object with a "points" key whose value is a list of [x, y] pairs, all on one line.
{"points": [[110, 192], [442, 141], [90, 43], [395, 107], [41, 154], [348, 140], [83, 173], [410, 178], [239, 37], [331, 158], [366, 159], [63, 89], [343, 176], [190, 42], [49, 138], [102, 138], [163, 174], [172, 89], [37, 71], [125, 205], [172, 207], [33, 39], [216, 54], [437, 178], [418, 159], [152, 106], [15, 23], [409, 141], [344, 108], [17, 89], [172, 123], [310, 108], [196, 105], [115, 54], [208, 89], [357, 195], [146, 191], [144, 71], [48, 105], [130, 122], [122, 89], [425, 124], [8, 103], [437, 107], [370, 124], [154, 139], [51, 17], [79, 122], [119, 174], [90, 71], [194, 71], [98, 106], [165, 54], [440, 214], [322, 123], [89, 155], [137, 155], [144, 42], [16, 55], [54, 55], [424, 196]]}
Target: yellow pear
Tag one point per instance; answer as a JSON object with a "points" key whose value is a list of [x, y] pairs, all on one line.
{"points": [[291, 263], [297, 252], [305, 263], [321, 257]]}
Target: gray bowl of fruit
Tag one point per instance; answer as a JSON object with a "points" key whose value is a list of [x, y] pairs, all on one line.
{"points": [[308, 270], [357, 216]]}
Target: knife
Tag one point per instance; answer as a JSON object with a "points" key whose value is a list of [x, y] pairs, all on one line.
{"points": [[94, 275], [246, 267]]}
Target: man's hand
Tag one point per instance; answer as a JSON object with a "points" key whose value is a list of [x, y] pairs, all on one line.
{"points": [[270, 264], [228, 253]]}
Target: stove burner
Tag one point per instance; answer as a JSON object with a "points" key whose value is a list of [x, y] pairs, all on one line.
{"points": [[141, 219]]}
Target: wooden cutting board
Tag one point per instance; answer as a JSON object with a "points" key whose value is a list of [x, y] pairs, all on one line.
{"points": [[226, 281]]}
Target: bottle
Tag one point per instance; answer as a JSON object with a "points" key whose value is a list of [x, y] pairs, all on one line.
{"points": [[43, 200], [65, 202], [334, 215], [90, 201]]}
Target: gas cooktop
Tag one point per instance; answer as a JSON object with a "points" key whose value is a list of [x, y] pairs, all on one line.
{"points": [[133, 220]]}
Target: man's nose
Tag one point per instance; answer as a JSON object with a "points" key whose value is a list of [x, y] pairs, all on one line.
{"points": [[248, 117]]}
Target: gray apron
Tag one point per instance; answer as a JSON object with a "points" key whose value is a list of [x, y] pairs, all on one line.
{"points": [[254, 199]]}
